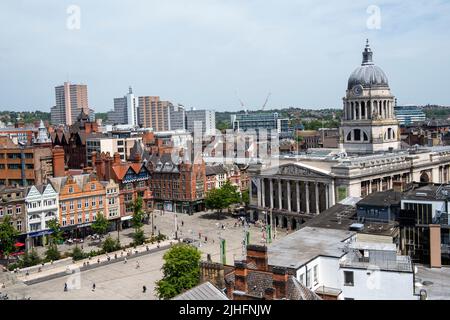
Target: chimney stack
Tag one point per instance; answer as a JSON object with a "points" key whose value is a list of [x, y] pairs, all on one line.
{"points": [[280, 278], [240, 276], [258, 255], [116, 158], [58, 162]]}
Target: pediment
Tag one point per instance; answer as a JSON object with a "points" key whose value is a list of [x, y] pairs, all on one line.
{"points": [[297, 170]]}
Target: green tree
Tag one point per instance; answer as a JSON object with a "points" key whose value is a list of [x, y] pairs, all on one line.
{"points": [[138, 237], [138, 217], [222, 198], [246, 197], [110, 245], [181, 271], [8, 236], [56, 235], [52, 253], [101, 224], [138, 213]]}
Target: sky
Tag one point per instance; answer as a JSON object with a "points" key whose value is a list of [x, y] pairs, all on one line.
{"points": [[209, 54]]}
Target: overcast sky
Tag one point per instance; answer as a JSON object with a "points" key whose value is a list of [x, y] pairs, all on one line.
{"points": [[206, 53]]}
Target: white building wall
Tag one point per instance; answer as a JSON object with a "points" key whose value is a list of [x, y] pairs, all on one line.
{"points": [[378, 285]]}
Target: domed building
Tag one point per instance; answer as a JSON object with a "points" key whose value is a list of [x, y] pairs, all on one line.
{"points": [[369, 124]]}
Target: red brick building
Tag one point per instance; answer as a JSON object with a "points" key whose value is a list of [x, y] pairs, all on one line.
{"points": [[73, 141]]}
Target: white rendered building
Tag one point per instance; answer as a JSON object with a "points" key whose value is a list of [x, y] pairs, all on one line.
{"points": [[42, 205]]}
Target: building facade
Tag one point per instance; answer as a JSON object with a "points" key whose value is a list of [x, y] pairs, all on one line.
{"points": [[299, 186], [154, 113], [71, 100], [206, 119], [81, 198], [42, 206], [12, 204]]}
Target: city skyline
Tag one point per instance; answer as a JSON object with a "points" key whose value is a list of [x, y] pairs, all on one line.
{"points": [[210, 55]]}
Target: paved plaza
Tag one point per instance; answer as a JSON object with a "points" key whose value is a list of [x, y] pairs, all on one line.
{"points": [[124, 281]]}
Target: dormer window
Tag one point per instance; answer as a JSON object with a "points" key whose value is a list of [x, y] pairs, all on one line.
{"points": [[93, 186], [70, 189]]}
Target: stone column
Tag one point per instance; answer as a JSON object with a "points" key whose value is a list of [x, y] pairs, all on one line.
{"points": [[327, 196], [250, 190], [271, 192], [307, 196], [289, 195], [297, 185], [359, 111], [370, 186], [316, 191], [258, 188], [332, 196], [280, 203], [263, 192]]}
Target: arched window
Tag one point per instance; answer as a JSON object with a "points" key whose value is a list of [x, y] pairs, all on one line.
{"points": [[349, 136], [366, 138], [363, 110]]}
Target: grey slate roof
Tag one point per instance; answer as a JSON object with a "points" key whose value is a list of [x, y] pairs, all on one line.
{"points": [[204, 291]]}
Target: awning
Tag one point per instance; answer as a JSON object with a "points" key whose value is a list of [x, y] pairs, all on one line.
{"points": [[126, 218], [19, 244]]}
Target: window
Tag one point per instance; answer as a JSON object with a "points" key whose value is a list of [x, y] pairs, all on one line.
{"points": [[301, 278], [80, 219], [64, 222], [86, 203], [93, 186], [13, 166], [308, 278], [18, 209], [10, 210], [1, 212], [71, 205], [129, 197], [79, 204], [111, 201], [19, 225], [70, 189], [72, 220], [86, 218], [63, 206], [316, 275], [348, 278], [93, 201]]}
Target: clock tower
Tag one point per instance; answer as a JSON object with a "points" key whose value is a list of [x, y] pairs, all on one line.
{"points": [[369, 124]]}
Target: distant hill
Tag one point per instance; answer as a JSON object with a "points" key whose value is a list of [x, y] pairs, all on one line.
{"points": [[26, 116]]}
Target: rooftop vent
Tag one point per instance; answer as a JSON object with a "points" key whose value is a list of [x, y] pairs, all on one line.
{"points": [[421, 194]]}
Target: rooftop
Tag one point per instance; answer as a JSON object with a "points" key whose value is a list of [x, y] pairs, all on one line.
{"points": [[306, 244], [204, 291], [381, 199]]}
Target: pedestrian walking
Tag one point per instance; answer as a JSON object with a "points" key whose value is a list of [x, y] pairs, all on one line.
{"points": [[146, 248], [144, 289], [115, 256], [3, 285], [125, 261], [137, 265], [98, 260], [65, 286], [182, 223], [93, 286]]}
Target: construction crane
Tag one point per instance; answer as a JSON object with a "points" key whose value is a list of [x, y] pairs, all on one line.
{"points": [[265, 102], [241, 102]]}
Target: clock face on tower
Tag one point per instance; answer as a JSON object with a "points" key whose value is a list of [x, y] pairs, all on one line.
{"points": [[358, 90]]}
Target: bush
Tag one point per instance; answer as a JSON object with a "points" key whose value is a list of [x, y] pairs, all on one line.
{"points": [[78, 254], [29, 259], [52, 253], [138, 237], [13, 266], [110, 245]]}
